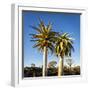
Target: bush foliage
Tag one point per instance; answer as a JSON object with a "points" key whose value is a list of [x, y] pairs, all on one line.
{"points": [[37, 71]]}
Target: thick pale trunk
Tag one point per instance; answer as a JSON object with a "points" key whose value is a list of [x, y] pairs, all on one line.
{"points": [[60, 67], [45, 62]]}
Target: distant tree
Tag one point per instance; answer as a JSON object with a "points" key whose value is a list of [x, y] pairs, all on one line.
{"points": [[52, 64], [32, 65], [33, 68], [70, 63]]}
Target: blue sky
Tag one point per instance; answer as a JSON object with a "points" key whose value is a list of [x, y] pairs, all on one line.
{"points": [[62, 22]]}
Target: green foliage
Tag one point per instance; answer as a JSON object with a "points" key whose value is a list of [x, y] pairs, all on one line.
{"points": [[63, 45], [44, 36], [37, 71], [52, 64], [32, 65]]}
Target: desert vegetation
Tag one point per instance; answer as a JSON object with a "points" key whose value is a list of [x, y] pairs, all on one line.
{"points": [[37, 71]]}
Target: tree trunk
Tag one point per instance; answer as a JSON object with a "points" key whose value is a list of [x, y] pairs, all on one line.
{"points": [[70, 70], [60, 67], [45, 62]]}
